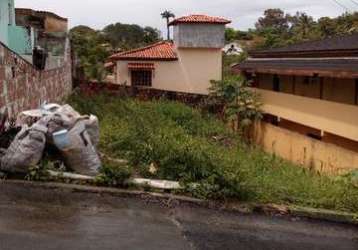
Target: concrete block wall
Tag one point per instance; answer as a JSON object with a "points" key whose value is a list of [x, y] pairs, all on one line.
{"points": [[24, 87], [199, 36]]}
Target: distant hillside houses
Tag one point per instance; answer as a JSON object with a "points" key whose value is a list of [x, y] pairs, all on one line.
{"points": [[233, 48], [39, 37]]}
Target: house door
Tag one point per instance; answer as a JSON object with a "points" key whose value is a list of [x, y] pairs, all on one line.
{"points": [[141, 78]]}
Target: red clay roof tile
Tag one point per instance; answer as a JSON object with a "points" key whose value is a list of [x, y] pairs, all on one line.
{"points": [[158, 51], [200, 19]]}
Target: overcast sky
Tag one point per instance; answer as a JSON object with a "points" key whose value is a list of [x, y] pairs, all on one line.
{"points": [[243, 13]]}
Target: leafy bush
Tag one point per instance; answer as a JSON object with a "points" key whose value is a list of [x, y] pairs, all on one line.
{"points": [[113, 175], [240, 104], [39, 172]]}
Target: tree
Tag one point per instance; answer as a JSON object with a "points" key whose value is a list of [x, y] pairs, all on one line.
{"points": [[243, 35], [129, 36], [230, 35], [274, 19], [303, 27], [167, 15], [326, 27], [151, 35], [347, 23], [89, 47], [273, 27]]}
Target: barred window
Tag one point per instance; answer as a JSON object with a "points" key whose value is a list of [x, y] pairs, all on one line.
{"points": [[142, 78]]}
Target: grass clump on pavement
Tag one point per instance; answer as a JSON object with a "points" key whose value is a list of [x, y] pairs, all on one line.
{"points": [[169, 140]]}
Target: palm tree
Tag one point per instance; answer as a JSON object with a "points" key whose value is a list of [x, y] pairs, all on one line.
{"points": [[167, 15], [304, 25]]}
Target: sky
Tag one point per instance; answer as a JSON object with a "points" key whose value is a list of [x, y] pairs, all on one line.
{"points": [[243, 13]]}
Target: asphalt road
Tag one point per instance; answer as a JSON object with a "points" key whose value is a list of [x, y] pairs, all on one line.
{"points": [[39, 219]]}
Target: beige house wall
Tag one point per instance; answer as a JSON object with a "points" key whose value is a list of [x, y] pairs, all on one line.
{"points": [[307, 152], [192, 73]]}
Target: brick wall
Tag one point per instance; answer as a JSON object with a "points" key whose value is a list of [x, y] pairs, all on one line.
{"points": [[23, 87]]}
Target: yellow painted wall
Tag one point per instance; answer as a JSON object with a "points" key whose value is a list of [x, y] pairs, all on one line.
{"points": [[336, 115], [319, 156], [335, 118], [192, 73]]}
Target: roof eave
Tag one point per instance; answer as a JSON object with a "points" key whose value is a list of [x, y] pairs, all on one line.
{"points": [[336, 73], [345, 74], [38, 13], [301, 54], [174, 23], [142, 59]]}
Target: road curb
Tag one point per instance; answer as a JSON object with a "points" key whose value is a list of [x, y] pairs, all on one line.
{"points": [[295, 211], [77, 188], [322, 214], [173, 200]]}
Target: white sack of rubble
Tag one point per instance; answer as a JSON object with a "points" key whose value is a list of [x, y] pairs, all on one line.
{"points": [[26, 150], [30, 117], [80, 155]]}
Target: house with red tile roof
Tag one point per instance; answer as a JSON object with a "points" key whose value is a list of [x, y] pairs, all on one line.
{"points": [[187, 64]]}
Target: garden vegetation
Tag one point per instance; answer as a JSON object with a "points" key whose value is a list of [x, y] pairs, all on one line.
{"points": [[169, 140]]}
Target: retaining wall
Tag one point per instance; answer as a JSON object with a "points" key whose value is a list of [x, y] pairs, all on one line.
{"points": [[307, 152]]}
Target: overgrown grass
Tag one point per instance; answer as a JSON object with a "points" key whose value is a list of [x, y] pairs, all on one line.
{"points": [[183, 144]]}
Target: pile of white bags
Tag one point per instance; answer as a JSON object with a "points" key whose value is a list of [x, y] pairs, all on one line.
{"points": [[75, 137]]}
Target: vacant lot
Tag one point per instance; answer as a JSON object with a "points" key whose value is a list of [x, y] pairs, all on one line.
{"points": [[168, 140]]}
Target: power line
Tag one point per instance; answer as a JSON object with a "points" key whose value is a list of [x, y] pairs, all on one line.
{"points": [[341, 5], [355, 2]]}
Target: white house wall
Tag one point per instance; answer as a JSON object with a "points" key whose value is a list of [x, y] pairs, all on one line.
{"points": [[192, 73]]}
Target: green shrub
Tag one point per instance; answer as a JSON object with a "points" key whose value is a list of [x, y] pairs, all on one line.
{"points": [[113, 175]]}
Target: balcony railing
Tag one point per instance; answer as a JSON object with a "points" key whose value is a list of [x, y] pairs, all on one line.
{"points": [[335, 118]]}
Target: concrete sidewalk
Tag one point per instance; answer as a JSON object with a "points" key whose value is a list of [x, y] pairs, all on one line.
{"points": [[43, 218]]}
